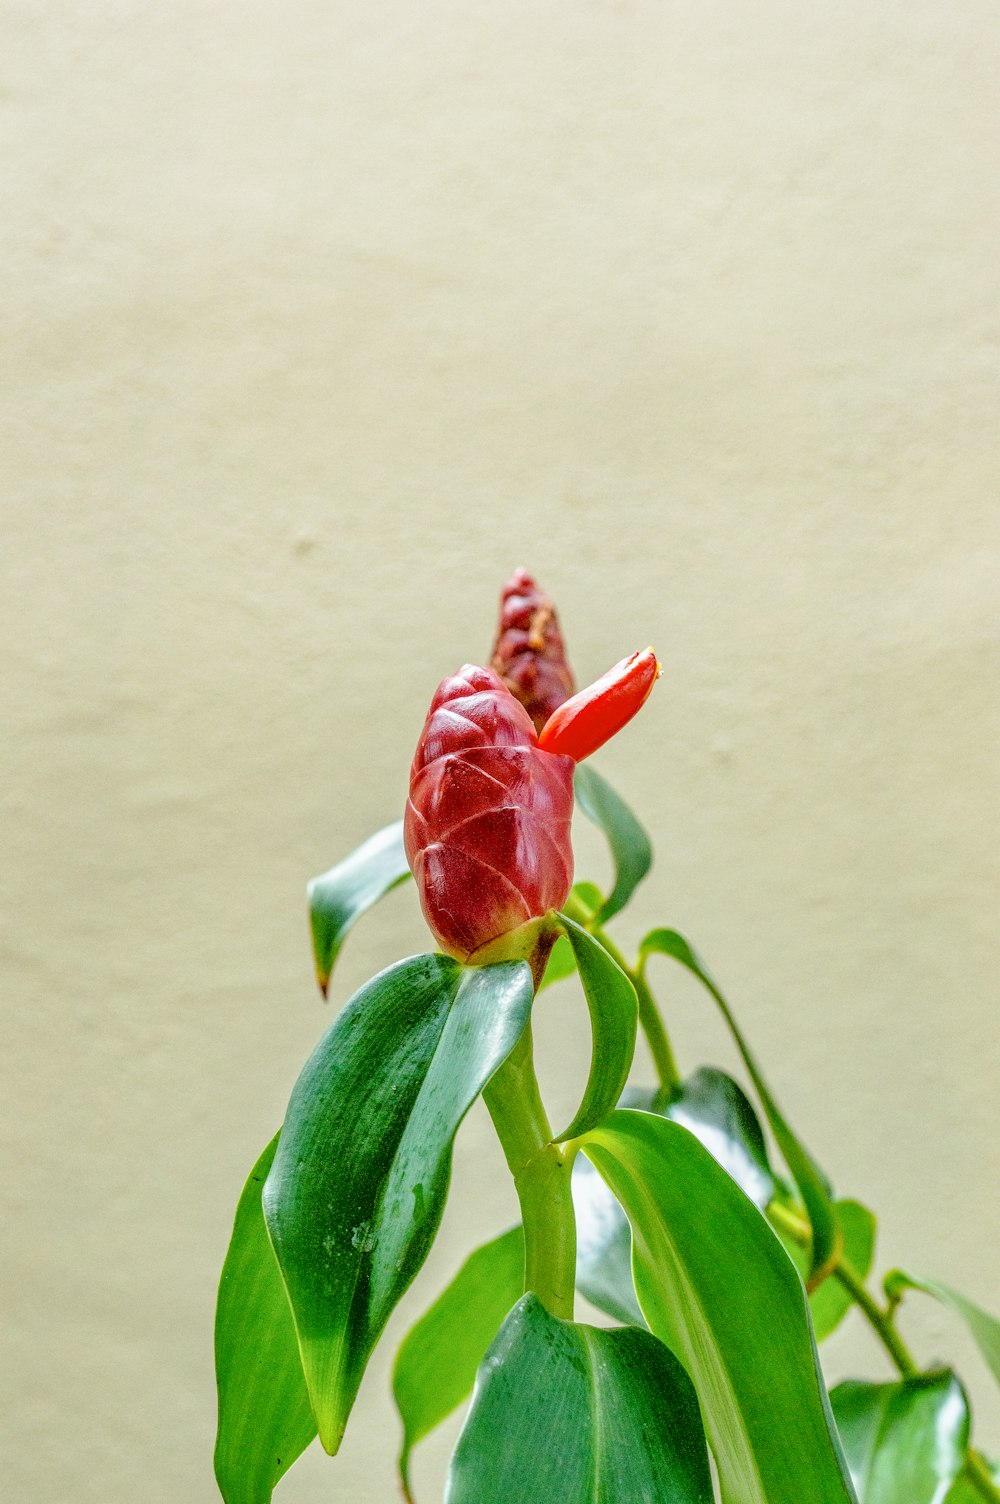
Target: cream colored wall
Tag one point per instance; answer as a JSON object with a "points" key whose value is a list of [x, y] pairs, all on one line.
{"points": [[318, 319]]}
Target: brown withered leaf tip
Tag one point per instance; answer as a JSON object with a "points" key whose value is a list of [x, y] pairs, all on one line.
{"points": [[529, 653]]}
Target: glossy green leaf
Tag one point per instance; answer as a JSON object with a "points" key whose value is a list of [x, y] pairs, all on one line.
{"points": [[613, 1021], [437, 1360], [905, 1443], [569, 1414], [985, 1329], [715, 1284], [964, 1491], [812, 1183], [713, 1107], [718, 1112], [358, 1184], [631, 851], [831, 1301], [603, 1247], [265, 1419], [343, 894]]}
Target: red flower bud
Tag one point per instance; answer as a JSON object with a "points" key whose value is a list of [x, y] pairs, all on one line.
{"points": [[487, 820], [487, 826], [529, 653], [590, 718]]}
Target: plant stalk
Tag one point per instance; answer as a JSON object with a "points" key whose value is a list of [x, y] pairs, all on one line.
{"points": [[664, 1061], [657, 1037], [978, 1473], [542, 1178], [976, 1468], [881, 1321]]}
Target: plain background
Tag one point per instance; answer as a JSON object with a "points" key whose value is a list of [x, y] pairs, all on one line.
{"points": [[317, 320]]}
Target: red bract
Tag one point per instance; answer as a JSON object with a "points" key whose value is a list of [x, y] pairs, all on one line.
{"points": [[529, 653], [487, 826], [592, 717]]}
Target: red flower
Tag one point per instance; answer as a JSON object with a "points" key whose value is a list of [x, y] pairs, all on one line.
{"points": [[487, 820], [487, 827], [592, 717]]}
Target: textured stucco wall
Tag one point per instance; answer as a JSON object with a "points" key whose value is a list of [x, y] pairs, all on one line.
{"points": [[319, 317]]}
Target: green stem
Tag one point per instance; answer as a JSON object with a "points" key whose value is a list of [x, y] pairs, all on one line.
{"points": [[881, 1321], [657, 1038], [979, 1475], [542, 1174], [976, 1468], [656, 1035]]}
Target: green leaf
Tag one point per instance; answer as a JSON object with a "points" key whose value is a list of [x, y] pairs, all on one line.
{"points": [[344, 893], [985, 1328], [715, 1284], [713, 1107], [265, 1420], [631, 851], [965, 1491], [569, 1414], [830, 1301], [603, 1247], [358, 1184], [905, 1443], [585, 900], [718, 1112], [812, 1183], [587, 895], [613, 1021], [437, 1360]]}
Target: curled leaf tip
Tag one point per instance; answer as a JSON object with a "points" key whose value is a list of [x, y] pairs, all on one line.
{"points": [[595, 714]]}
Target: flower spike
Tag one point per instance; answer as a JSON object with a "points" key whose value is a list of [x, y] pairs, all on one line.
{"points": [[529, 653]]}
